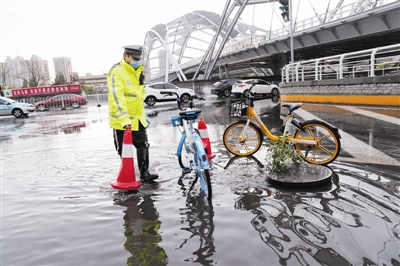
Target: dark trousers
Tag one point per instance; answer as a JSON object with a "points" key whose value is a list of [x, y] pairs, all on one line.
{"points": [[139, 138]]}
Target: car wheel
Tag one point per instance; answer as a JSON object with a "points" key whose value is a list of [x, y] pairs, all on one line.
{"points": [[151, 100], [42, 108], [17, 113], [75, 105], [227, 93], [246, 93], [274, 91], [185, 98]]}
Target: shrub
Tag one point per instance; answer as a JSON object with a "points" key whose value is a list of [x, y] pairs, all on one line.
{"points": [[281, 155]]}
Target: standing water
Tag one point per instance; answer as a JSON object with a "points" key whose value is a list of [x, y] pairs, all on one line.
{"points": [[58, 207]]}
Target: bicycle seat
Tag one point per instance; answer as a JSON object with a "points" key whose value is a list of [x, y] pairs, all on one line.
{"points": [[190, 114], [292, 106]]}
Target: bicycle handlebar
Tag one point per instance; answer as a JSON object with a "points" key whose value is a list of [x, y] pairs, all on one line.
{"points": [[251, 93]]}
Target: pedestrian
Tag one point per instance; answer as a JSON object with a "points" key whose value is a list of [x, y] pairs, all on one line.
{"points": [[125, 103]]}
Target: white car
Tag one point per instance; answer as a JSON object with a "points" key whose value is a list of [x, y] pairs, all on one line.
{"points": [[241, 88], [17, 109], [153, 94]]}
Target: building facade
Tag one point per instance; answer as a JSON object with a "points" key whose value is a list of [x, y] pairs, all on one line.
{"points": [[15, 71], [99, 82], [63, 66]]}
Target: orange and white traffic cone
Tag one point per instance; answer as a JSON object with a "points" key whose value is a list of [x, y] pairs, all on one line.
{"points": [[205, 138], [127, 178]]}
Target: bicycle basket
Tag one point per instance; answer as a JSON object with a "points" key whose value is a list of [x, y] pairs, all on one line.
{"points": [[176, 121], [238, 109]]}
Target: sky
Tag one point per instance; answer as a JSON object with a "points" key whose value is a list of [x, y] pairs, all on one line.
{"points": [[93, 32]]}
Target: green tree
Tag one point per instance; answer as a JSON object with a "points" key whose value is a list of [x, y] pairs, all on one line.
{"points": [[25, 84], [59, 80], [88, 89]]}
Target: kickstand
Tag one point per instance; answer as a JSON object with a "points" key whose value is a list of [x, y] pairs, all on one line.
{"points": [[307, 150]]}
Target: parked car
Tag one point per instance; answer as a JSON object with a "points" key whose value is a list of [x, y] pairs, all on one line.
{"points": [[393, 73], [17, 109], [241, 88], [153, 95], [60, 101], [223, 87], [357, 75]]}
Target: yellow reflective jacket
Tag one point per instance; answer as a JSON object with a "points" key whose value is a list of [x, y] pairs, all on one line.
{"points": [[125, 96]]}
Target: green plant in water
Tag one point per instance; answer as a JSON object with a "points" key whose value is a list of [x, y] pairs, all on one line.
{"points": [[281, 155]]}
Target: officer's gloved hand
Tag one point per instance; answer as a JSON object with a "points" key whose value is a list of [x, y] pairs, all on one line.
{"points": [[128, 127]]}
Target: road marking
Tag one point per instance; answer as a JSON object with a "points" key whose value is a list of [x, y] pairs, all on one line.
{"points": [[385, 118]]}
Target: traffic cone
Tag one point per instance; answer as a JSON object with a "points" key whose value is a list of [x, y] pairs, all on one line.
{"points": [[205, 138], [126, 178]]}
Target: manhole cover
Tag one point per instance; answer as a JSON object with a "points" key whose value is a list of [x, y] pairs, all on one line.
{"points": [[302, 174]]}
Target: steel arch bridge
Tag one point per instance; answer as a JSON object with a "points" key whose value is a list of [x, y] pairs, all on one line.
{"points": [[203, 44]]}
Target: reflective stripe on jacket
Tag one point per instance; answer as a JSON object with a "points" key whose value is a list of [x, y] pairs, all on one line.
{"points": [[125, 96]]}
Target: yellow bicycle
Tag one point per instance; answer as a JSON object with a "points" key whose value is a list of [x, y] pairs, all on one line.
{"points": [[316, 141]]}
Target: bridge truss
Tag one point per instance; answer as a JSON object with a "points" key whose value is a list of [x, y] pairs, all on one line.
{"points": [[203, 44]]}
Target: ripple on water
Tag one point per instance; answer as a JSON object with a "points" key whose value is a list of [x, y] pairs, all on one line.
{"points": [[59, 201]]}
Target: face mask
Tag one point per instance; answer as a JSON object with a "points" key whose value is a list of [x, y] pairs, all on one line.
{"points": [[134, 64]]}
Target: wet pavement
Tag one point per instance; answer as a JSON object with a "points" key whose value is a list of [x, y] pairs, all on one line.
{"points": [[58, 207]]}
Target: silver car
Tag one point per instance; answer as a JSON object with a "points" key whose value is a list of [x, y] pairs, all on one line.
{"points": [[17, 109]]}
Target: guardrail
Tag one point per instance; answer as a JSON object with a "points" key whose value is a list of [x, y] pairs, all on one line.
{"points": [[381, 61]]}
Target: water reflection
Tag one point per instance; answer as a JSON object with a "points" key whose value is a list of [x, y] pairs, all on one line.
{"points": [[199, 215], [246, 160], [329, 225], [141, 223]]}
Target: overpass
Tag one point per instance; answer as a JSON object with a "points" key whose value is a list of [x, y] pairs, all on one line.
{"points": [[229, 47]]}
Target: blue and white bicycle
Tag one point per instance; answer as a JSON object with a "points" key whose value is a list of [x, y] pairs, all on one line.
{"points": [[190, 151]]}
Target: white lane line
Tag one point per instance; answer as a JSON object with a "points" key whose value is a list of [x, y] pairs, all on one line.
{"points": [[361, 151], [385, 118]]}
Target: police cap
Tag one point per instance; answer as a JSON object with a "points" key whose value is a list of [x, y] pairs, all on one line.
{"points": [[134, 50]]}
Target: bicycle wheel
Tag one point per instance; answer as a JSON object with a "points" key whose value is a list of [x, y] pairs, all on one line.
{"points": [[328, 143], [205, 181], [243, 144], [183, 153]]}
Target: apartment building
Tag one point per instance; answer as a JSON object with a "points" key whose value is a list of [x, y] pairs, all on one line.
{"points": [[63, 65]]}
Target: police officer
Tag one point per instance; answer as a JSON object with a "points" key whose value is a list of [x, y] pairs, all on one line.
{"points": [[125, 102]]}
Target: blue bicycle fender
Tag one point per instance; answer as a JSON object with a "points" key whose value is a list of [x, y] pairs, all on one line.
{"points": [[201, 152], [180, 144]]}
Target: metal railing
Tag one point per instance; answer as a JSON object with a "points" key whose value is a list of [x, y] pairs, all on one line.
{"points": [[381, 61]]}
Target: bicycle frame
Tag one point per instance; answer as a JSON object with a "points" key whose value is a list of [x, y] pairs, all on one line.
{"points": [[191, 147], [252, 115]]}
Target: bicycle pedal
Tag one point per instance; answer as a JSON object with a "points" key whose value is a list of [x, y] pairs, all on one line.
{"points": [[186, 170]]}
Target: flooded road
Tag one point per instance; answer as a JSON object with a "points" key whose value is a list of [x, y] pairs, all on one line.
{"points": [[58, 207]]}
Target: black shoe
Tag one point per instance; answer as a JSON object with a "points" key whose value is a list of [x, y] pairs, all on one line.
{"points": [[146, 176]]}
